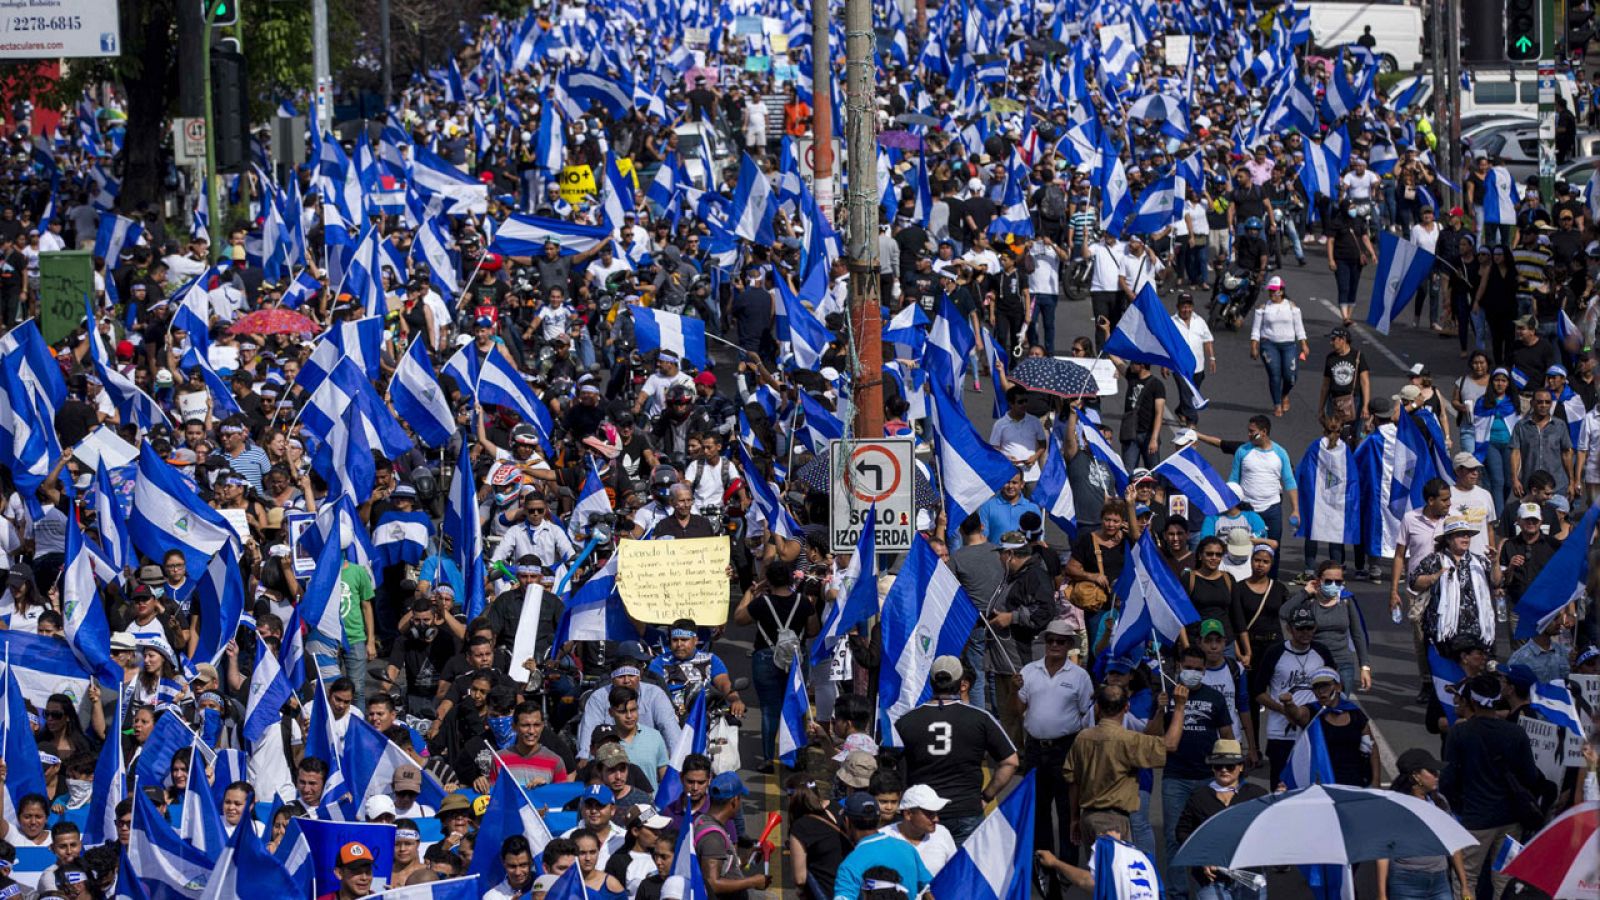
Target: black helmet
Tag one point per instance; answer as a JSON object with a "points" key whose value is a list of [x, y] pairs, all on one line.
{"points": [[662, 477], [524, 434]]}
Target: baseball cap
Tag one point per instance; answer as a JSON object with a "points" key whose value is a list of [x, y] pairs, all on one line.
{"points": [[1519, 674], [857, 769], [611, 755], [598, 793], [861, 805], [1419, 370], [1465, 461], [1339, 331], [921, 796], [408, 778], [1530, 511], [706, 378], [1417, 759], [1302, 618], [1212, 626], [355, 853], [483, 322], [1141, 475], [378, 805], [727, 786], [1274, 283], [1183, 437], [1012, 540], [946, 671], [1119, 665]]}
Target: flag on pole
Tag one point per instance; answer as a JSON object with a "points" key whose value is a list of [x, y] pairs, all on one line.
{"points": [[1402, 268], [926, 614]]}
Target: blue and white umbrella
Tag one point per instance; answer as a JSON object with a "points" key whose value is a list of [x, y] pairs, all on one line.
{"points": [[1323, 825]]}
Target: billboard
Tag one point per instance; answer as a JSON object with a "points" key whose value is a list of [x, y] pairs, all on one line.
{"points": [[48, 29]]}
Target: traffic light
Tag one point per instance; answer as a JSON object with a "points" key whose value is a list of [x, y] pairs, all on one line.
{"points": [[230, 110], [222, 12], [1523, 29]]}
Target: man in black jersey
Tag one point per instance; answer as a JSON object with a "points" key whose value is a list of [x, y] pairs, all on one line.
{"points": [[946, 742]]}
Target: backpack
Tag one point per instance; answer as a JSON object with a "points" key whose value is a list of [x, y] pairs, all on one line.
{"points": [[1053, 205], [786, 644]]}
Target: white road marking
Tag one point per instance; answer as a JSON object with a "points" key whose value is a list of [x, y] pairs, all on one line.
{"points": [[1372, 338]]}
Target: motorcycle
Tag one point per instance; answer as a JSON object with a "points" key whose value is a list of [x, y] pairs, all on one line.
{"points": [[1233, 292]]}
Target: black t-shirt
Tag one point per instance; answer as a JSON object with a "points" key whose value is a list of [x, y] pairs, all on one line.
{"points": [[752, 313], [1203, 715], [1084, 552], [1247, 202], [632, 455], [698, 526], [1343, 371], [1139, 407], [773, 612], [422, 661], [826, 847], [1346, 245], [945, 747], [1534, 360]]}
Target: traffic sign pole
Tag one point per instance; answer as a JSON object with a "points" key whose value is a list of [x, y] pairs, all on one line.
{"points": [[1547, 101], [213, 204]]}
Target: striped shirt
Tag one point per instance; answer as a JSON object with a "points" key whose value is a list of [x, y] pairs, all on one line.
{"points": [[252, 464]]}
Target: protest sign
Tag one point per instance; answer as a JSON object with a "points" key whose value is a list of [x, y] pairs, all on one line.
{"points": [[664, 580]]}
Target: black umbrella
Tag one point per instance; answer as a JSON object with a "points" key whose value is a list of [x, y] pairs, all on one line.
{"points": [[1049, 375], [816, 475], [917, 119]]}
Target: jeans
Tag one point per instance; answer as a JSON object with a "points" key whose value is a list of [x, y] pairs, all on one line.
{"points": [[1144, 835], [1461, 308], [1287, 227], [1136, 450], [1174, 797], [1186, 407], [1043, 329], [1497, 473], [333, 662], [1196, 262], [961, 827], [769, 683], [1406, 884], [1347, 275], [1280, 358], [1429, 292], [976, 655]]}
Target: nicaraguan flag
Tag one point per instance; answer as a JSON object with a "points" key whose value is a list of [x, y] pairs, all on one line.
{"points": [[219, 602], [908, 328], [464, 888], [462, 526], [87, 630], [114, 235], [245, 868], [301, 291], [401, 537], [1309, 762], [1089, 434], [1123, 872], [201, 823], [160, 864], [1330, 494], [808, 338], [1153, 602], [268, 693], [655, 329], [430, 244], [996, 861], [860, 601], [1189, 472], [418, 400], [1446, 673], [110, 786], [323, 840], [1053, 492], [169, 515], [970, 469], [796, 712], [1160, 205], [319, 603], [691, 739], [369, 763], [926, 614], [24, 773], [820, 427], [526, 235], [1147, 334], [1560, 582], [1554, 699], [765, 507], [594, 612], [509, 812], [1402, 268], [592, 501], [432, 175], [754, 205], [1500, 197]]}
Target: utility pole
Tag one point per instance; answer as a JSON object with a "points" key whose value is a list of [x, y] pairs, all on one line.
{"points": [[821, 110], [1437, 17], [388, 71], [861, 236], [213, 200], [322, 79], [1547, 100], [1452, 154]]}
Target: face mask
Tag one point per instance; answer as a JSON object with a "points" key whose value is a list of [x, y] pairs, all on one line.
{"points": [[1191, 678], [424, 634], [1332, 590], [78, 791], [504, 732]]}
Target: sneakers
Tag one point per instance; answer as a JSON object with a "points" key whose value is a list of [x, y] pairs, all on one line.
{"points": [[1374, 574]]}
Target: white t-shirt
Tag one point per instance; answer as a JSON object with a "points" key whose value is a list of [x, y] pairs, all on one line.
{"points": [[1046, 275], [1106, 266], [1018, 440], [936, 849], [1139, 270], [1197, 334], [1359, 187], [655, 390], [1477, 507], [1425, 238]]}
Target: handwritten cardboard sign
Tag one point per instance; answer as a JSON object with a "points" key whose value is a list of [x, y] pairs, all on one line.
{"points": [[683, 579]]}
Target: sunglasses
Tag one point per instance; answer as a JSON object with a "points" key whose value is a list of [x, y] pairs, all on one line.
{"points": [[1211, 554], [1333, 581], [1059, 640]]}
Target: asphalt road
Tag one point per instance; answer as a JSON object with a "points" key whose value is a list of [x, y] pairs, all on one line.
{"points": [[1238, 390]]}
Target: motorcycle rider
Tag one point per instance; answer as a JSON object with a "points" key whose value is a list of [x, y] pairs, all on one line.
{"points": [[686, 668], [1249, 254]]}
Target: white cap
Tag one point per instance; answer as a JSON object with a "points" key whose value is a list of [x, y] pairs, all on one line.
{"points": [[1530, 511], [1183, 437], [378, 805], [920, 796]]}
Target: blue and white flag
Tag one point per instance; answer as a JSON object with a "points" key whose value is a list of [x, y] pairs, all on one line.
{"points": [[970, 470], [462, 526], [592, 501], [926, 614], [401, 537], [594, 612], [1500, 197], [110, 786], [115, 235], [431, 245], [86, 627], [369, 763], [1446, 674], [1402, 268], [323, 840], [655, 329], [160, 864], [1330, 494], [691, 739], [218, 600], [1554, 699], [1560, 582], [1160, 205], [494, 379], [1053, 492], [343, 455], [1320, 172], [169, 738], [360, 341], [1123, 872], [268, 692], [526, 235], [794, 715], [418, 400], [1147, 334], [245, 868], [808, 337], [201, 823], [860, 601], [509, 812], [322, 743], [1189, 472], [1309, 762], [1154, 603], [996, 861], [1089, 435], [169, 515], [462, 194], [111, 521], [24, 773], [301, 291], [319, 602], [821, 426], [754, 205], [1416, 462], [464, 888], [766, 509]]}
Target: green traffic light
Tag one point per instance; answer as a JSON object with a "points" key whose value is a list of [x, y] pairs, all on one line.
{"points": [[1523, 44]]}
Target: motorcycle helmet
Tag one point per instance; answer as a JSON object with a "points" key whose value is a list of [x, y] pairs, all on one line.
{"points": [[1252, 224], [524, 434], [661, 481]]}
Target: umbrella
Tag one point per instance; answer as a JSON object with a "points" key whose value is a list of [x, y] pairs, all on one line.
{"points": [[900, 140], [1560, 860], [1351, 824], [815, 476], [918, 119], [274, 321], [1051, 375]]}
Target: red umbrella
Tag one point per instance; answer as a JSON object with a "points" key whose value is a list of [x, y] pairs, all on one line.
{"points": [[274, 321], [1561, 859]]}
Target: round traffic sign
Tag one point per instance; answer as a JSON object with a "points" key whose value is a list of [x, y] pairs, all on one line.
{"points": [[874, 474]]}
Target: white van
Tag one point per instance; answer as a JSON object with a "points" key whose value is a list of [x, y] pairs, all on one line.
{"points": [[1514, 91], [1397, 27]]}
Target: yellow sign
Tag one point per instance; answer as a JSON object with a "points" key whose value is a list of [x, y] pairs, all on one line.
{"points": [[577, 183], [661, 581]]}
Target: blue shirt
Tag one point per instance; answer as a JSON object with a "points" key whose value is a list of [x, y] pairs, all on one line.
{"points": [[999, 517], [881, 850]]}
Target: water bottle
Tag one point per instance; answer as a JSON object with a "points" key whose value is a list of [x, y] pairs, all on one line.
{"points": [[1500, 608], [1395, 615]]}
